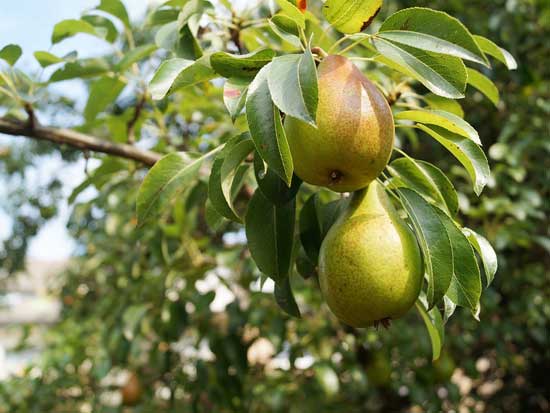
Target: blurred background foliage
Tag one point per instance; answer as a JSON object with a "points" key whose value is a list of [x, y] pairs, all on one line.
{"points": [[171, 317]]}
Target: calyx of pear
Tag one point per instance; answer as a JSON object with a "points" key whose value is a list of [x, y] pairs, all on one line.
{"points": [[353, 140], [370, 266]]}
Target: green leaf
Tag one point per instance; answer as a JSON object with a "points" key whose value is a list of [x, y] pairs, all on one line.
{"points": [[223, 173], [351, 16], [448, 308], [292, 81], [80, 69], [285, 297], [427, 180], [70, 27], [443, 75], [242, 66], [467, 152], [131, 319], [497, 52], [234, 96], [429, 24], [270, 234], [273, 187], [443, 119], [441, 103], [115, 8], [485, 251], [266, 127], [103, 92], [165, 180], [286, 28], [11, 53], [135, 55], [104, 24], [46, 59], [174, 74], [99, 176], [179, 40], [434, 242], [484, 85], [465, 287], [193, 8], [434, 324], [293, 12]]}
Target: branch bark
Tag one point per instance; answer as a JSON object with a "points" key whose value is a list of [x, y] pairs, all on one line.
{"points": [[77, 140]]}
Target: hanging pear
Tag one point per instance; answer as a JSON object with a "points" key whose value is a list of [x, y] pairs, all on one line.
{"points": [[370, 267], [354, 137]]}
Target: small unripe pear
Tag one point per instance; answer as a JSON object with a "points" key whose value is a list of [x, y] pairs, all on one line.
{"points": [[355, 130], [370, 267]]}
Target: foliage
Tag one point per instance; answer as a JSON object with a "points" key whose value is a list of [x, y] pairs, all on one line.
{"points": [[140, 293]]}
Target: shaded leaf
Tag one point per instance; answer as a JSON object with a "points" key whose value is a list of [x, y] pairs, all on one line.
{"points": [[234, 96], [351, 16], [243, 66], [80, 69], [105, 24], [286, 28], [434, 324], [272, 186], [103, 92], [285, 297], [135, 55]]}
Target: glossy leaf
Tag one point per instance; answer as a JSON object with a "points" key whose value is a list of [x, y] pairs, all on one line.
{"points": [[428, 180], [292, 81], [443, 75], [434, 243], [266, 127], [165, 180], [467, 152], [178, 73], [498, 53], [465, 287], [485, 251], [11, 53], [351, 16], [432, 24], [241, 66], [234, 96], [443, 119], [270, 235], [285, 298], [484, 85], [103, 92]]}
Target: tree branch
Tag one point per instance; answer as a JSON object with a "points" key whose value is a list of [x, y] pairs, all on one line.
{"points": [[77, 140]]}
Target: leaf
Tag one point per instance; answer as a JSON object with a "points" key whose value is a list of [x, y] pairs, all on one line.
{"points": [[104, 24], [286, 28], [70, 27], [465, 287], [484, 85], [179, 40], [80, 69], [115, 8], [443, 119], [428, 23], [449, 308], [434, 242], [292, 81], [103, 92], [443, 75], [132, 318], [273, 187], [498, 53], [285, 297], [467, 152], [448, 105], [135, 55], [243, 66], [99, 176], [427, 180], [11, 53], [234, 96], [193, 8], [293, 12], [434, 325], [46, 59], [178, 73], [485, 251], [165, 180], [270, 234], [351, 16], [223, 172], [266, 127]]}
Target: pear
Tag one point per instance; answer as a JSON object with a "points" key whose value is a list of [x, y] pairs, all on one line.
{"points": [[370, 266], [354, 136]]}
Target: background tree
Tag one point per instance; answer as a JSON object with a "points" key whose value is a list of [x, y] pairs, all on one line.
{"points": [[140, 299]]}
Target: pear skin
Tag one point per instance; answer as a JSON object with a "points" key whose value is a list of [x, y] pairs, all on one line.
{"points": [[370, 266], [355, 130]]}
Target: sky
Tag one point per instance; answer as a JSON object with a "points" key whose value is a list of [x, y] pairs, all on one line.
{"points": [[29, 23]]}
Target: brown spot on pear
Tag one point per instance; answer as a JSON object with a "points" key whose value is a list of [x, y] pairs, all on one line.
{"points": [[370, 267], [354, 134]]}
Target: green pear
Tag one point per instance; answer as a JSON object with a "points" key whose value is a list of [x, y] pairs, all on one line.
{"points": [[353, 140], [370, 266]]}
